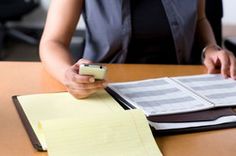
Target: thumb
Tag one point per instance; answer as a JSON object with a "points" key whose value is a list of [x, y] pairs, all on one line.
{"points": [[76, 66]]}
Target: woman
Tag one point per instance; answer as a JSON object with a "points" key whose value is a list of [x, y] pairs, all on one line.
{"points": [[128, 31]]}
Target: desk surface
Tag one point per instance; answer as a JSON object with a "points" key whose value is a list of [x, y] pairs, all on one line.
{"points": [[19, 78]]}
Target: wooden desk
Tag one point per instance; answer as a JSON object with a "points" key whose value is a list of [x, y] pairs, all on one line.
{"points": [[28, 78]]}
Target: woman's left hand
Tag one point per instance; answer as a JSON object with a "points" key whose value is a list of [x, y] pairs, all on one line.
{"points": [[217, 58]]}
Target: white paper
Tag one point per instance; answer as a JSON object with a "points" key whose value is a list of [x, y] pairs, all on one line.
{"points": [[179, 125], [159, 96]]}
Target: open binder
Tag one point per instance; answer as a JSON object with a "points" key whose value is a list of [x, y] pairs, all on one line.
{"points": [[203, 115], [207, 116]]}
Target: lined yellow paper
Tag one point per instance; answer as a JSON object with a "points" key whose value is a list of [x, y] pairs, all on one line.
{"points": [[63, 105], [121, 133]]}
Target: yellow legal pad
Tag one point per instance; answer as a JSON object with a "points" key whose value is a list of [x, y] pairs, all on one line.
{"points": [[97, 125], [122, 133]]}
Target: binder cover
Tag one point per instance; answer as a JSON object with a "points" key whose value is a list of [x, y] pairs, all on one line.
{"points": [[33, 138]]}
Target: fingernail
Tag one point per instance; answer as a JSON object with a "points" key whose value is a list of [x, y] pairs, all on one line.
{"points": [[91, 80]]}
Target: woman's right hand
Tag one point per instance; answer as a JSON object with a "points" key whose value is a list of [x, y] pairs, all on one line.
{"points": [[81, 86]]}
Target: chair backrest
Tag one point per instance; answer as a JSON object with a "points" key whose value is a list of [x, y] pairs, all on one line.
{"points": [[15, 9], [8, 2], [214, 13]]}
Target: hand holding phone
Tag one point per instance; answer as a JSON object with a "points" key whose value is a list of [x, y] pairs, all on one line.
{"points": [[96, 70]]}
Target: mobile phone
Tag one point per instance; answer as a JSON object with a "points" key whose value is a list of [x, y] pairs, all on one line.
{"points": [[98, 71]]}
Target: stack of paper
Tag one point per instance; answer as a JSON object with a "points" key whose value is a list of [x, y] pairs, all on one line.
{"points": [[123, 133]]}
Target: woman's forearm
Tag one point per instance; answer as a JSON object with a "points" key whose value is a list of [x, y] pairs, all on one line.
{"points": [[62, 19], [56, 58], [204, 31], [205, 34]]}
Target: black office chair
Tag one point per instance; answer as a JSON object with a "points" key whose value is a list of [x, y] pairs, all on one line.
{"points": [[13, 10], [230, 44], [214, 12]]}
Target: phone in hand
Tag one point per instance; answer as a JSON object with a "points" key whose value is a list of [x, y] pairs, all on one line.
{"points": [[98, 71]]}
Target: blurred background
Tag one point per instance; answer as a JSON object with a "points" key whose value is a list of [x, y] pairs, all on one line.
{"points": [[22, 22]]}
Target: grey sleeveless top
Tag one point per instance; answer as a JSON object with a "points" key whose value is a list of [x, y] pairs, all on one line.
{"points": [[108, 28]]}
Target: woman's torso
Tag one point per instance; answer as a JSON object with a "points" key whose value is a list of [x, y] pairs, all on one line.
{"points": [[109, 28]]}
